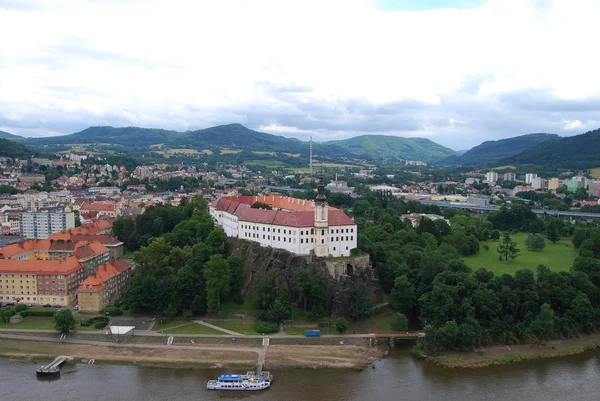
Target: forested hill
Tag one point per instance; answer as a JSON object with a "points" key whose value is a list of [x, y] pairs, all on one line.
{"points": [[577, 152], [233, 137], [386, 146], [11, 137], [13, 149], [493, 151]]}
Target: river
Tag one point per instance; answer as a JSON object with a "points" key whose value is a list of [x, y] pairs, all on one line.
{"points": [[397, 377]]}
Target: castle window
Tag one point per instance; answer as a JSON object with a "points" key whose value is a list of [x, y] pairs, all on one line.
{"points": [[322, 241], [284, 232], [301, 240], [351, 238]]}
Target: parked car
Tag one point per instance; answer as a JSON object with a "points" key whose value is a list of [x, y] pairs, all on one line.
{"points": [[10, 304], [47, 306], [57, 306], [29, 305]]}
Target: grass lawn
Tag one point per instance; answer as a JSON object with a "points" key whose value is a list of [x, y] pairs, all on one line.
{"points": [[38, 323], [595, 172], [558, 257], [232, 308], [158, 326], [242, 327], [374, 324], [193, 328]]}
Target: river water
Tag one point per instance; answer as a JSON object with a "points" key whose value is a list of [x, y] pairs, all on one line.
{"points": [[397, 377]]}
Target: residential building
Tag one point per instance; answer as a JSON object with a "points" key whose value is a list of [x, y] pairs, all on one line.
{"points": [[574, 184], [537, 182], [40, 281], [509, 177], [101, 209], [41, 223], [78, 156], [529, 177], [593, 188], [32, 178], [104, 287], [109, 241], [553, 184], [492, 176], [296, 225]]}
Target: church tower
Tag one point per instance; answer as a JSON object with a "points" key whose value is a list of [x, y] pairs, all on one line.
{"points": [[321, 221]]}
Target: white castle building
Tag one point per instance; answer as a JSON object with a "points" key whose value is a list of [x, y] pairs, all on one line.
{"points": [[296, 225]]}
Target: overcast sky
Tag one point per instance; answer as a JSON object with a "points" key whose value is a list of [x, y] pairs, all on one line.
{"points": [[458, 72]]}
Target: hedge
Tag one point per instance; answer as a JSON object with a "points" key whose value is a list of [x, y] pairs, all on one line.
{"points": [[39, 313], [266, 327]]}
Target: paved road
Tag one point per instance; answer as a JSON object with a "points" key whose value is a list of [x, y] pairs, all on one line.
{"points": [[257, 351]]}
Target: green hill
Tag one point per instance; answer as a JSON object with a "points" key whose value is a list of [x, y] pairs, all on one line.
{"points": [[577, 152], [493, 151], [128, 136], [11, 137], [390, 147], [238, 137], [13, 149]]}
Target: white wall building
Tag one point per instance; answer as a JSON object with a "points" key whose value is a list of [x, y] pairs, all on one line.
{"points": [[40, 224], [529, 177], [296, 225], [492, 176]]}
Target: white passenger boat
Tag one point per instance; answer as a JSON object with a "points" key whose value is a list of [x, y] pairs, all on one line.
{"points": [[239, 383]]}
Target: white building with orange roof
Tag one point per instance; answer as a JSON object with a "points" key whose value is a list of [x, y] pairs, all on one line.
{"points": [[296, 225]]}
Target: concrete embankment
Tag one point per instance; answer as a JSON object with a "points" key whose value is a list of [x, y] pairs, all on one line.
{"points": [[189, 352]]}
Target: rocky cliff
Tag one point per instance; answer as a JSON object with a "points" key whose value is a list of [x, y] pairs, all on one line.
{"points": [[260, 261]]}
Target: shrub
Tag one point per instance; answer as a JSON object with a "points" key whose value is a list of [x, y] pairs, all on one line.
{"points": [[266, 327], [113, 311], [341, 325], [188, 314], [399, 322], [38, 313], [20, 308]]}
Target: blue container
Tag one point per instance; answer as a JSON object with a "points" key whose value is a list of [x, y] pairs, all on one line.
{"points": [[312, 333]]}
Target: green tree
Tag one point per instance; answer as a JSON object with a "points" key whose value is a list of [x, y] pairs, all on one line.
{"points": [[236, 274], [508, 248], [216, 274], [360, 304], [495, 235], [535, 242], [403, 296], [64, 321], [341, 325], [552, 232], [302, 284], [399, 322]]}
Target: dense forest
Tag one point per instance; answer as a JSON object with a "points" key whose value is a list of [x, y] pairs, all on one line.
{"points": [[13, 149]]}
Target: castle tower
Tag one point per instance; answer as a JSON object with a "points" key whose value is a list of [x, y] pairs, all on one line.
{"points": [[321, 221]]}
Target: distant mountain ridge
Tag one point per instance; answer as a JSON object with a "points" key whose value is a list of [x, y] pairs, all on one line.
{"points": [[493, 151], [11, 137], [236, 136], [390, 147], [578, 152]]}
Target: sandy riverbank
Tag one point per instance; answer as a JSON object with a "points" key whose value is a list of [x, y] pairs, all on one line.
{"points": [[278, 356], [499, 355]]}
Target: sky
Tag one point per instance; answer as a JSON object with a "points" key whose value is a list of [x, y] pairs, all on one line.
{"points": [[458, 72]]}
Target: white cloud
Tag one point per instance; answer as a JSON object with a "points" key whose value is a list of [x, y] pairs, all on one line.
{"points": [[190, 64]]}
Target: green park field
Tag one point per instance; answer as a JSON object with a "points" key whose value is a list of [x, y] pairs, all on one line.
{"points": [[558, 257]]}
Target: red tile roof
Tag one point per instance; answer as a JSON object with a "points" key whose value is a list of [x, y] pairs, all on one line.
{"points": [[103, 273], [64, 266], [93, 228], [88, 250], [10, 251], [98, 207]]}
